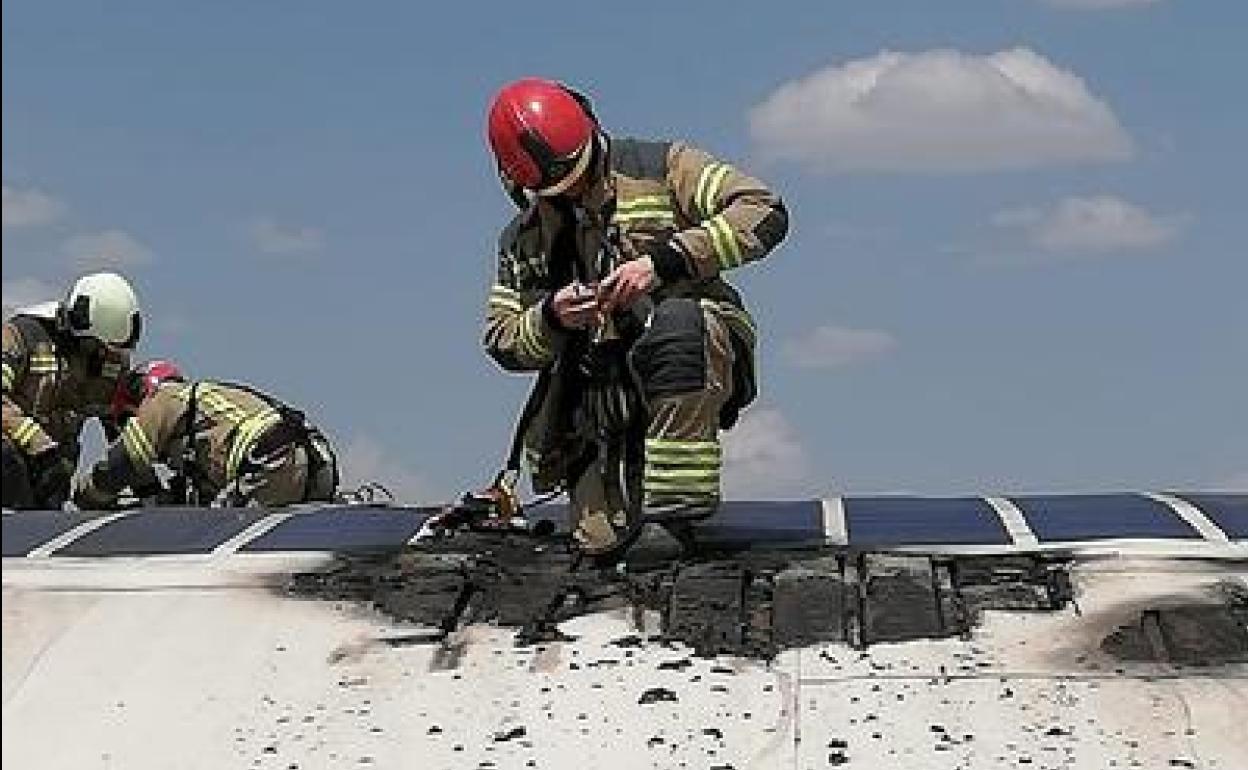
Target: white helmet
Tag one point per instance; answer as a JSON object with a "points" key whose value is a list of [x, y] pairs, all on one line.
{"points": [[103, 306]]}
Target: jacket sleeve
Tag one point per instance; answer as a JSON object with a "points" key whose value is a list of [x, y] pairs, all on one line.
{"points": [[144, 441], [21, 428], [520, 333], [738, 220]]}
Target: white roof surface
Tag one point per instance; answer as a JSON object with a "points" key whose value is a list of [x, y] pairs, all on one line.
{"points": [[198, 663]]}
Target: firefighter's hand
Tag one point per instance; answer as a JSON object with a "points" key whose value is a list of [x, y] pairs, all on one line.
{"points": [[626, 283], [575, 306]]}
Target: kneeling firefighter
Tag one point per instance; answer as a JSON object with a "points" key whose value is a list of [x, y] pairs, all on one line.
{"points": [[610, 283], [62, 360], [226, 444]]}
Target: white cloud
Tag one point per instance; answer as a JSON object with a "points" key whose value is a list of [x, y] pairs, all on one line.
{"points": [[938, 111], [23, 292], [363, 460], [272, 238], [107, 249], [763, 457], [1098, 224], [29, 208], [829, 346], [1097, 5]]}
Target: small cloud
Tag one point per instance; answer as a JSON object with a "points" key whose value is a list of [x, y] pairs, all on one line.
{"points": [[24, 292], [763, 457], [1093, 225], [938, 111], [1098, 5], [108, 249], [270, 237], [363, 460], [831, 347], [29, 208]]}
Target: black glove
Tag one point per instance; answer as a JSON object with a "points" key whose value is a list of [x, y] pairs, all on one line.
{"points": [[50, 476]]}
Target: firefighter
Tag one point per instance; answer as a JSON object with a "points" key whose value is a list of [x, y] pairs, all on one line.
{"points": [[62, 361], [226, 444], [611, 284]]}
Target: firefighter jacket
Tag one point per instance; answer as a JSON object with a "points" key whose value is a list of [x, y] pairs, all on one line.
{"points": [[54, 382], [696, 217], [205, 432]]}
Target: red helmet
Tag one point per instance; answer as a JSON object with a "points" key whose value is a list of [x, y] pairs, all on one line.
{"points": [[542, 134], [141, 382]]}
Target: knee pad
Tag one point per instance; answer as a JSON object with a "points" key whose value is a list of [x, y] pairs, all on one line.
{"points": [[669, 358]]}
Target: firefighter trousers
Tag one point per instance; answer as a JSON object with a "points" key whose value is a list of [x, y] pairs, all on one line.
{"points": [[683, 366]]}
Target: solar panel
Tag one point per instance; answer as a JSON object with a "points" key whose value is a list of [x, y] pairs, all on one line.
{"points": [[1228, 512], [869, 522], [768, 523], [24, 531], [1098, 517], [164, 531], [355, 528], [883, 521]]}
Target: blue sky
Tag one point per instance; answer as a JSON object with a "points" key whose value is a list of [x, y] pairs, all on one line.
{"points": [[1017, 260]]}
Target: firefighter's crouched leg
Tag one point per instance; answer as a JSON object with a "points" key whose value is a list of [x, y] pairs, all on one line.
{"points": [[684, 363]]}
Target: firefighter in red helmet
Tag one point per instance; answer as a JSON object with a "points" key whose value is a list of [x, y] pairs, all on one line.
{"points": [[611, 284]]}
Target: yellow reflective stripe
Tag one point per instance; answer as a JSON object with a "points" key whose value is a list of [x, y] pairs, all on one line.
{"points": [[111, 369], [699, 190], [507, 299], [245, 437], [218, 405], [666, 215], [44, 363], [499, 291], [682, 474], [644, 201], [508, 306], [137, 444], [531, 339], [710, 183], [683, 486], [727, 249], [25, 432], [671, 452], [9, 376], [680, 445]]}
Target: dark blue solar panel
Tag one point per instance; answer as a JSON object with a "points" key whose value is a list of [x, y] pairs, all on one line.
{"points": [[736, 523], [1229, 512], [882, 521], [343, 529], [771, 523], [24, 531], [164, 531], [1095, 517]]}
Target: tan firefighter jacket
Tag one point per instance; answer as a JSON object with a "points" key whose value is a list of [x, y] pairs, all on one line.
{"points": [[698, 218], [53, 383], [228, 421]]}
